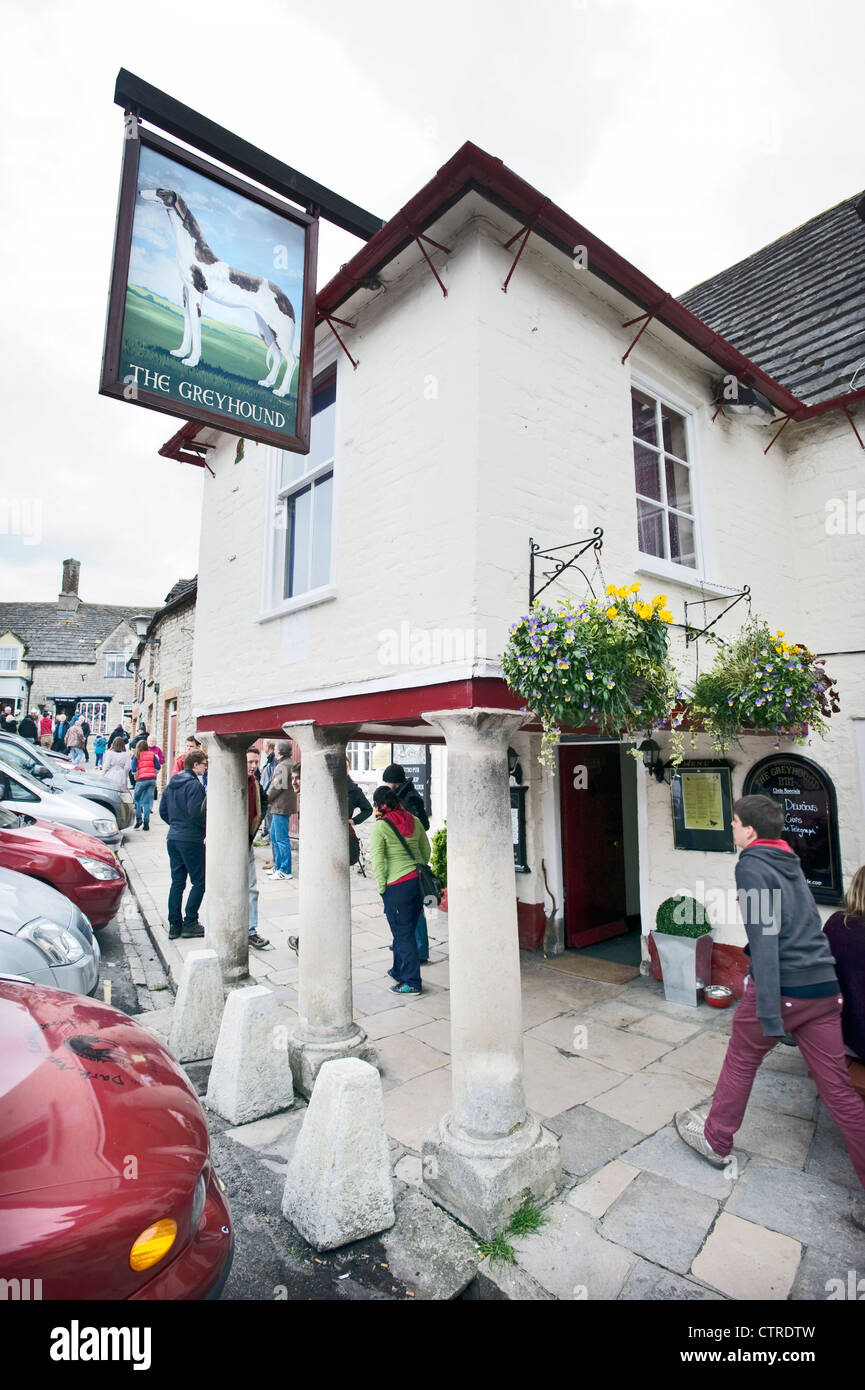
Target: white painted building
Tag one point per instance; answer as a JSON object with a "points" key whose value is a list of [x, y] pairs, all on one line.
{"points": [[372, 584]]}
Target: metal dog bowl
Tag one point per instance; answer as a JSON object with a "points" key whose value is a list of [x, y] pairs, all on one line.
{"points": [[718, 996]]}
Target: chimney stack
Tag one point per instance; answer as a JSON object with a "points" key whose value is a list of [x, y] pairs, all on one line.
{"points": [[67, 599]]}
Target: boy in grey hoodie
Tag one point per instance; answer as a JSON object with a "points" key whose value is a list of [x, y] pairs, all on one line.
{"points": [[792, 988]]}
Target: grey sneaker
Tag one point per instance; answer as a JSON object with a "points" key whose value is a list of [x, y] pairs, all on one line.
{"points": [[691, 1128]]}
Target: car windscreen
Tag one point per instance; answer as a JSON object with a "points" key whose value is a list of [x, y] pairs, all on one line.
{"points": [[18, 774]]}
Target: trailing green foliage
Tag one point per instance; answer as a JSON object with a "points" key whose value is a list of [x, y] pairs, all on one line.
{"points": [[439, 854], [760, 681], [604, 662]]}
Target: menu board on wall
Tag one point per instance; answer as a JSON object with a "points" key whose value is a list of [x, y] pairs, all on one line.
{"points": [[810, 817], [414, 759], [700, 792]]}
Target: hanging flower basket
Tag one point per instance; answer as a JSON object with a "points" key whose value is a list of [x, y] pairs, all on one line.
{"points": [[763, 683], [603, 662]]}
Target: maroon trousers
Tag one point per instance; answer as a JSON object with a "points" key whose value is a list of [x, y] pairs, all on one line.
{"points": [[816, 1026]]}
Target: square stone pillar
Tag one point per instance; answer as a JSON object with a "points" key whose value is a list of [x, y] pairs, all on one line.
{"points": [[226, 904], [325, 1029], [489, 1150]]}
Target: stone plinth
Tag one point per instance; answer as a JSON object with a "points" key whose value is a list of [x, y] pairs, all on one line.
{"points": [[250, 1076]]}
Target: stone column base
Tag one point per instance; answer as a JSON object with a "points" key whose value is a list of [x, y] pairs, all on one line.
{"points": [[483, 1183], [307, 1055]]}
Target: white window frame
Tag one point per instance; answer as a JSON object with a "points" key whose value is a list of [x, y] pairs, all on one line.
{"points": [[112, 675], [9, 670], [657, 565], [360, 752], [278, 498]]}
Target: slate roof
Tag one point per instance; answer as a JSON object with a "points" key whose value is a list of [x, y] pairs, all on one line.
{"points": [[49, 635], [182, 590], [797, 308]]}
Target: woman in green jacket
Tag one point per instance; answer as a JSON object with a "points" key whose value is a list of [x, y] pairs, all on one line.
{"points": [[396, 877]]}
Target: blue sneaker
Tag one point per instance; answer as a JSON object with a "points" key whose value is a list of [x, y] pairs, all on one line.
{"points": [[405, 989]]}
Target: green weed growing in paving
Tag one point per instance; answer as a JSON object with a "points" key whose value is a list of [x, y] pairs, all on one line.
{"points": [[526, 1221]]}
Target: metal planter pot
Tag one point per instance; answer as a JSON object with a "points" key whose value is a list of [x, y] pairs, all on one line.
{"points": [[685, 960]]}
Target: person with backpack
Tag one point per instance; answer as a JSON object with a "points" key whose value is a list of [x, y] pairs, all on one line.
{"points": [[397, 844], [146, 763], [792, 988], [100, 743], [408, 796]]}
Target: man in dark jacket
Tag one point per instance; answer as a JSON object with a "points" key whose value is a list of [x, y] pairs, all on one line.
{"points": [[792, 988], [409, 797], [184, 806], [27, 729]]}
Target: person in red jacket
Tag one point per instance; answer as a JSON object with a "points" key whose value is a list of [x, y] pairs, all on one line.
{"points": [[145, 766]]}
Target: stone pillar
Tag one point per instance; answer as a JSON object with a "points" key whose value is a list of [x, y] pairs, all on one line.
{"points": [[489, 1149], [226, 905], [325, 1030]]}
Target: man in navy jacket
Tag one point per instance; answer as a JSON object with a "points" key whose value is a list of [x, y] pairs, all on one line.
{"points": [[184, 806]]}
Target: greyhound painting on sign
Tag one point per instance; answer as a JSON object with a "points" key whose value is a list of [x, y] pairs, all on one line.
{"points": [[202, 274], [212, 300]]}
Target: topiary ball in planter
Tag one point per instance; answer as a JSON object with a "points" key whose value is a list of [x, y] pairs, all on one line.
{"points": [[682, 916], [683, 940]]}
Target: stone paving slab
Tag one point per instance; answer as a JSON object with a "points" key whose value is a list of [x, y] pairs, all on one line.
{"points": [[598, 1192], [745, 1261], [498, 1280], [617, 1011], [828, 1156], [399, 1020], [773, 1134], [669, 1030], [570, 1260], [433, 1256], [703, 1057], [825, 1277], [648, 1282], [555, 1083], [648, 1102], [403, 1056], [589, 1139], [794, 1095], [412, 1109], [436, 1034], [667, 1156], [802, 1205], [660, 1220]]}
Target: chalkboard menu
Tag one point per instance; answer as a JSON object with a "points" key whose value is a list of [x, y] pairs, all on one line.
{"points": [[414, 759], [810, 817]]}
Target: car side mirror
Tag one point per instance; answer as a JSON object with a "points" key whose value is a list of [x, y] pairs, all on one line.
{"points": [[42, 772]]}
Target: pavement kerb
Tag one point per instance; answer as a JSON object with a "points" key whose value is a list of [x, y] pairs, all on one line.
{"points": [[172, 960]]}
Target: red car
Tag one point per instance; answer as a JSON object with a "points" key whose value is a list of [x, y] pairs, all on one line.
{"points": [[107, 1190], [84, 869]]}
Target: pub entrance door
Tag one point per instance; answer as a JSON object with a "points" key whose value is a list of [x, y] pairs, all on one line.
{"points": [[593, 842]]}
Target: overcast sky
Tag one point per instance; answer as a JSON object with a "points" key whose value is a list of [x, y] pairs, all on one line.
{"points": [[685, 134]]}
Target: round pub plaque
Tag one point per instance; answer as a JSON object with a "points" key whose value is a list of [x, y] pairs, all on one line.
{"points": [[810, 817]]}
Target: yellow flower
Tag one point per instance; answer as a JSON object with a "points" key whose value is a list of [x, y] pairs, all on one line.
{"points": [[611, 612], [660, 600], [665, 615], [780, 632], [635, 589], [611, 588]]}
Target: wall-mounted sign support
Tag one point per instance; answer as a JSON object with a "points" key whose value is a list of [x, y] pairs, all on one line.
{"points": [[161, 110], [691, 635], [595, 542]]}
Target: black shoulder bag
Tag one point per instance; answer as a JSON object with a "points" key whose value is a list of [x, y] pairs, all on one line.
{"points": [[431, 887]]}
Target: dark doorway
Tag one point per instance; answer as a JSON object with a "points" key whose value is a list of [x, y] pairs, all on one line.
{"points": [[593, 852]]}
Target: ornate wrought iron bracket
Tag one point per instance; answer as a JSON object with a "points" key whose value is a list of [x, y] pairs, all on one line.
{"points": [[691, 635], [593, 542]]}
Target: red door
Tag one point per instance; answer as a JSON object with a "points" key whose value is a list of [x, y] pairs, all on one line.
{"points": [[590, 791]]}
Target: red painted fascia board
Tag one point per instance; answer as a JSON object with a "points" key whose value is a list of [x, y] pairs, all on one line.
{"points": [[175, 447]]}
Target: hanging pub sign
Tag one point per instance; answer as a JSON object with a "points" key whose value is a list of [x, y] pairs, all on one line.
{"points": [[212, 301], [810, 817]]}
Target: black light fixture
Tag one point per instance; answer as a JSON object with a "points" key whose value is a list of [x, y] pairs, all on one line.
{"points": [[514, 766], [652, 760]]}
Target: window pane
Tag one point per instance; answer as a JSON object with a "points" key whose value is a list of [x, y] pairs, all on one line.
{"points": [[297, 550], [322, 528], [647, 472], [678, 485], [682, 548], [321, 436], [8, 658], [643, 412], [650, 529], [673, 426], [291, 467]]}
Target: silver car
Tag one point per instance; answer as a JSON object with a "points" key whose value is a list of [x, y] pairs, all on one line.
{"points": [[21, 792], [67, 776], [44, 937]]}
